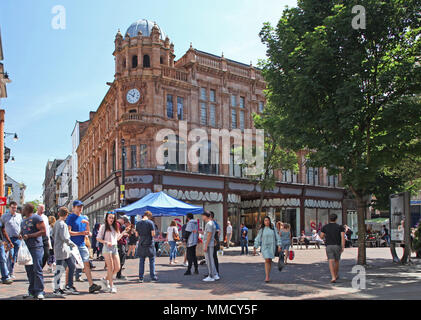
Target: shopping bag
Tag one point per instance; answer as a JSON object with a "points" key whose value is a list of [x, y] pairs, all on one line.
{"points": [[24, 256], [291, 255], [78, 259]]}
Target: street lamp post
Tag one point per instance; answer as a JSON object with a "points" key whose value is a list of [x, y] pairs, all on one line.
{"points": [[123, 175]]}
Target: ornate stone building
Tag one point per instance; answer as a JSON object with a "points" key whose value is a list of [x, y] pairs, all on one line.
{"points": [[153, 91]]}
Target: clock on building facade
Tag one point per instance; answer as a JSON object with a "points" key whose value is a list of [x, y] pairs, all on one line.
{"points": [[133, 96]]}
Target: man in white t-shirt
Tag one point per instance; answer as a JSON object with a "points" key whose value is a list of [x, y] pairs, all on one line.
{"points": [[45, 239], [209, 247], [229, 233]]}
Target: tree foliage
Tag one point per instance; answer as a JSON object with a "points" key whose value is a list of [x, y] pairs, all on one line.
{"points": [[350, 95]]}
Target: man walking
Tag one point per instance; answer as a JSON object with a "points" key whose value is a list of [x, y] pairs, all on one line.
{"points": [[216, 243], [209, 246], [191, 237], [45, 239], [229, 233], [244, 240], [123, 223], [334, 236], [4, 240], [146, 247], [32, 230], [78, 230], [12, 221]]}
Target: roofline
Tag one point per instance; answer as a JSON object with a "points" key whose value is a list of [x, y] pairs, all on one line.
{"points": [[230, 60]]}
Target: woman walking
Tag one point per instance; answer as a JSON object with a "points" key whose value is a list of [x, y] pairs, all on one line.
{"points": [[172, 238], [62, 252], [109, 234], [285, 234], [269, 241], [51, 259], [132, 242]]}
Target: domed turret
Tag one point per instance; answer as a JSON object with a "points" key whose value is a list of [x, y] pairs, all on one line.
{"points": [[145, 26]]}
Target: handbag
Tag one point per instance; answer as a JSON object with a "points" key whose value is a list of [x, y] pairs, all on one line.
{"points": [[281, 262], [291, 255], [175, 236], [24, 256]]}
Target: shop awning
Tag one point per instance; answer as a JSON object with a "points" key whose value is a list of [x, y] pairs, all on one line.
{"points": [[377, 221], [161, 205]]}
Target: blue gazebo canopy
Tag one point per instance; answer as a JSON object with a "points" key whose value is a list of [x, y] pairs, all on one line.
{"points": [[161, 205]]}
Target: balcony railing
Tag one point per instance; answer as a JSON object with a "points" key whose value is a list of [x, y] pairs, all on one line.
{"points": [[173, 73], [131, 117]]}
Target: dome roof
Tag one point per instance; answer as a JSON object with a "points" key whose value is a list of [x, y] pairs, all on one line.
{"points": [[145, 26]]}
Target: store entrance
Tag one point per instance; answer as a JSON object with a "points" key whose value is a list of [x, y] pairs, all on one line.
{"points": [[289, 216]]}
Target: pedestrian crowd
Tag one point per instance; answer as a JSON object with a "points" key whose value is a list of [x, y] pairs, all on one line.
{"points": [[35, 240]]}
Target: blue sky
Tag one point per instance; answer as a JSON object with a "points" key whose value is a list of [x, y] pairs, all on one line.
{"points": [[60, 75]]}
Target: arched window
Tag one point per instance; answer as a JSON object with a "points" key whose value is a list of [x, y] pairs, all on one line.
{"points": [[161, 60], [133, 111], [146, 61], [176, 153], [134, 61]]}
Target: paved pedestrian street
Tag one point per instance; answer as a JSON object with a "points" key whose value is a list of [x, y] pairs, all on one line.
{"points": [[242, 278]]}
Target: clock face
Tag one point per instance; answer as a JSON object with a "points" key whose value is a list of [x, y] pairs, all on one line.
{"points": [[133, 96]]}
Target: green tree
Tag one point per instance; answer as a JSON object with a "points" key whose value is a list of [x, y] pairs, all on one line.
{"points": [[36, 203], [348, 95], [276, 156]]}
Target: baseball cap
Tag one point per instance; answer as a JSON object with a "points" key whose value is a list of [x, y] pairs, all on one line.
{"points": [[77, 203]]}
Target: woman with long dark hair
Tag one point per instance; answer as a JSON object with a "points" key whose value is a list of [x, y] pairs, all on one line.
{"points": [[109, 234], [269, 241]]}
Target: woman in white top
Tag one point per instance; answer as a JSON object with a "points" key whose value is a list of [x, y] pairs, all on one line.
{"points": [[171, 232], [109, 234], [229, 233]]}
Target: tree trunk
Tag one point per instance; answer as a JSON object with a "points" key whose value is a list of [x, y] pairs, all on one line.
{"points": [[262, 195], [362, 209]]}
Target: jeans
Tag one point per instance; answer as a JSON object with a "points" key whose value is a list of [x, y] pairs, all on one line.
{"points": [[191, 258], [215, 258], [34, 271], [151, 266], [3, 263], [210, 262], [244, 244], [13, 254], [46, 251], [67, 263], [173, 250], [122, 255]]}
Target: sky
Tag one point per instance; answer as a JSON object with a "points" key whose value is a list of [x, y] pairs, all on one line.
{"points": [[59, 75]]}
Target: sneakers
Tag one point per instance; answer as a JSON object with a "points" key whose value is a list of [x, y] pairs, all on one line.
{"points": [[106, 283], [140, 280], [196, 271], [155, 279], [40, 296], [185, 264], [79, 279], [122, 278], [216, 277], [209, 279], [71, 290], [93, 288], [113, 289], [59, 293], [12, 276], [187, 273], [28, 296], [7, 281]]}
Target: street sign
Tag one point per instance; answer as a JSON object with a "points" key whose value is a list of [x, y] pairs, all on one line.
{"points": [[122, 187], [3, 201]]}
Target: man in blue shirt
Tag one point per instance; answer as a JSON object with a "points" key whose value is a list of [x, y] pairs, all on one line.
{"points": [[78, 229], [12, 221], [244, 240]]}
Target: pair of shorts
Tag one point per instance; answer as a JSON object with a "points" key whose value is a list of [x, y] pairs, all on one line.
{"points": [[84, 252], [285, 246], [113, 250], [333, 252]]}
